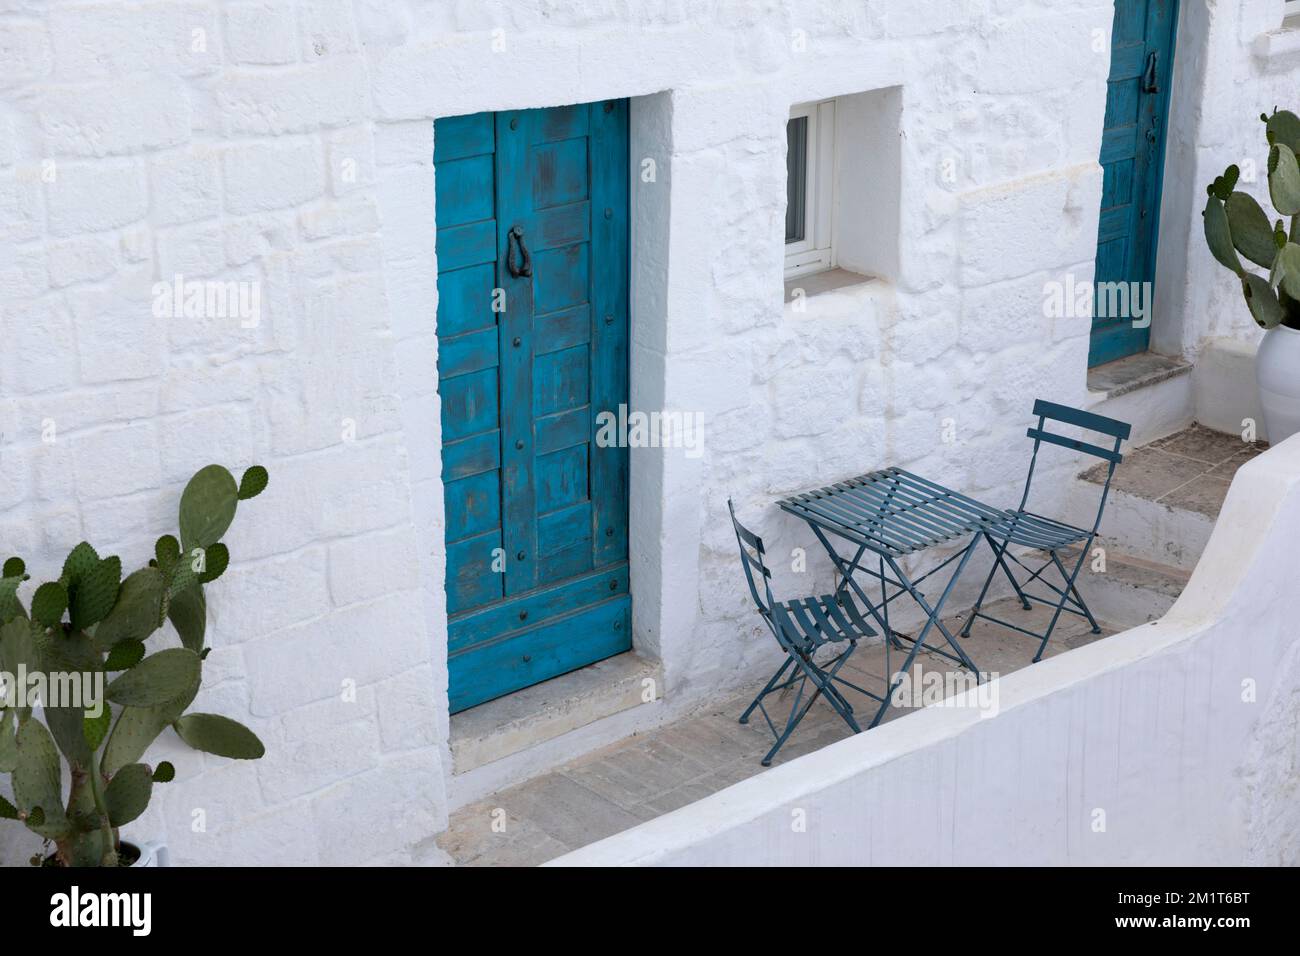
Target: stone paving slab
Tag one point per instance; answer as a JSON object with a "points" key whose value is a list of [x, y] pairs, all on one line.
{"points": [[1190, 469], [1204, 495], [1201, 444]]}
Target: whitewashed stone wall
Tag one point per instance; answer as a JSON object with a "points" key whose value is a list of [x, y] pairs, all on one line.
{"points": [[231, 142], [1235, 60], [290, 143]]}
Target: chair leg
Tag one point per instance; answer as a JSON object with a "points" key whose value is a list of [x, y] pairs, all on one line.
{"points": [[1073, 588], [1000, 554], [1060, 605], [834, 692], [822, 681], [998, 562], [744, 718], [793, 721], [979, 602], [796, 716]]}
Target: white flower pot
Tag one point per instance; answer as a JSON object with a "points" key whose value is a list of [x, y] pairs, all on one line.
{"points": [[152, 854], [1277, 370]]}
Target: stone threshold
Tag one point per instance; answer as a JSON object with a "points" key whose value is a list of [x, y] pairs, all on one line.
{"points": [[532, 716], [1132, 373]]}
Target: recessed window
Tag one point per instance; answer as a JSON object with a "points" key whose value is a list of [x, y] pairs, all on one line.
{"points": [[843, 191], [1291, 8], [810, 186]]}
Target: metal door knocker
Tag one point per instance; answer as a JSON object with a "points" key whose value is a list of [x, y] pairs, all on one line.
{"points": [[1150, 76], [516, 238]]}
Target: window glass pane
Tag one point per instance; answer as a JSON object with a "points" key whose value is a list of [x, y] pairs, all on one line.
{"points": [[796, 177]]}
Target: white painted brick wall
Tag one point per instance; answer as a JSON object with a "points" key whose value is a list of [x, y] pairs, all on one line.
{"points": [[289, 144]]}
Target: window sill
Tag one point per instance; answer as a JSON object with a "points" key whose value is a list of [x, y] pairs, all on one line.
{"points": [[822, 283], [837, 293], [1280, 42]]}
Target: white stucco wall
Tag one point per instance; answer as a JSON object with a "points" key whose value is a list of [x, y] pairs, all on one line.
{"points": [[1174, 743], [290, 144], [1235, 59]]}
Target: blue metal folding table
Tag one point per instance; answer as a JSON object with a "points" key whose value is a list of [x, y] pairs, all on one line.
{"points": [[893, 513]]}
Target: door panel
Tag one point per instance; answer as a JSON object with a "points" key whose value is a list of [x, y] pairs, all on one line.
{"points": [[521, 388], [1132, 158]]}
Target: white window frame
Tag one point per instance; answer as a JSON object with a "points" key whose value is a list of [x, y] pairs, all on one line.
{"points": [[816, 251]]}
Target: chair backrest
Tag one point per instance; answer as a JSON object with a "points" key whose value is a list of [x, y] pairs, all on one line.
{"points": [[1112, 428], [751, 559]]}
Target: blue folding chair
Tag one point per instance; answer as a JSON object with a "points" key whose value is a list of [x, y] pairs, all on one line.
{"points": [[802, 627], [1027, 529]]}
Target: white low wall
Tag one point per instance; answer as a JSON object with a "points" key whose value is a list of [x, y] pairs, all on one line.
{"points": [[1173, 743]]}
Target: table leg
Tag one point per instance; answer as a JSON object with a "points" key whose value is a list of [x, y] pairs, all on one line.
{"points": [[933, 619]]}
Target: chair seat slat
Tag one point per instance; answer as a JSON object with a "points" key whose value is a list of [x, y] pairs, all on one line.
{"points": [[836, 613], [799, 614], [823, 626]]}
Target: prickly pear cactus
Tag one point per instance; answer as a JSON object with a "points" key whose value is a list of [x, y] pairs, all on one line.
{"points": [[1237, 228], [90, 627]]}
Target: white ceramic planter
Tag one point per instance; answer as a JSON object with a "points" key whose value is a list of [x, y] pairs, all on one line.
{"points": [[152, 854], [1277, 370]]}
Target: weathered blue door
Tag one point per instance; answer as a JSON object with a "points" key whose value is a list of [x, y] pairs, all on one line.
{"points": [[532, 345], [1132, 157]]}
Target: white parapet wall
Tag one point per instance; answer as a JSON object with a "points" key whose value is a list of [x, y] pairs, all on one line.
{"points": [[1177, 742]]}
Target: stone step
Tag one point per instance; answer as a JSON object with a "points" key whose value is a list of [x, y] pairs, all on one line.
{"points": [[532, 730], [1130, 591], [1160, 532], [1152, 391], [1165, 496]]}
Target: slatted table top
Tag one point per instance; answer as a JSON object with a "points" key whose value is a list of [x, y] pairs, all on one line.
{"points": [[893, 511]]}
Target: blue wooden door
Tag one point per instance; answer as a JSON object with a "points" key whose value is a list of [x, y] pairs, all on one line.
{"points": [[532, 345], [1132, 157]]}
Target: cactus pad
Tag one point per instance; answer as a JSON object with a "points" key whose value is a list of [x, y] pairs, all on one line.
{"points": [[79, 562], [207, 507], [253, 483], [93, 594], [128, 793], [49, 602], [219, 735], [157, 679]]}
